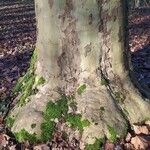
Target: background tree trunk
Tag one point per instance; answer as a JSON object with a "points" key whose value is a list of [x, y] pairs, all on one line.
{"points": [[81, 52]]}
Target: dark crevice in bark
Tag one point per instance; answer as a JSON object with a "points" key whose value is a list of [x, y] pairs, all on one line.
{"points": [[111, 92]]}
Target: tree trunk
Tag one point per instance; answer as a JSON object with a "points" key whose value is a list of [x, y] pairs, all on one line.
{"points": [[82, 53]]}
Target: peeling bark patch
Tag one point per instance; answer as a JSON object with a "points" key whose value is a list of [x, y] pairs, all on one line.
{"points": [[51, 3], [88, 49]]}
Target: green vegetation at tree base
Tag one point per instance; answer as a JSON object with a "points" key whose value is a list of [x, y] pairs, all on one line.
{"points": [[104, 81], [113, 134], [76, 121], [27, 91], [28, 83], [39, 80], [96, 146], [53, 111], [47, 129], [81, 89], [56, 111], [9, 121], [23, 135], [30, 73], [119, 97]]}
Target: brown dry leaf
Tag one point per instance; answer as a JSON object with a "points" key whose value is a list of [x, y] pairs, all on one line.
{"points": [[129, 146], [12, 147], [138, 143], [3, 140], [141, 129], [1, 119], [128, 137], [147, 123], [41, 147], [109, 146]]}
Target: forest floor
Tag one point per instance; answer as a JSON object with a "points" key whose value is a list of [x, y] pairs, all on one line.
{"points": [[17, 42]]}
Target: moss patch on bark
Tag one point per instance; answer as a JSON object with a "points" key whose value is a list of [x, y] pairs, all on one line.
{"points": [[9, 121], [58, 110], [23, 135], [76, 121], [113, 134], [81, 89], [26, 85], [54, 111], [96, 146]]}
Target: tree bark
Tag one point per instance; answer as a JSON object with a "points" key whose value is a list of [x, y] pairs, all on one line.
{"points": [[83, 42]]}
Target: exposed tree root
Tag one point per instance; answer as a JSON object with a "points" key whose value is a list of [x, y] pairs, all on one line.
{"points": [[31, 113], [137, 107], [97, 105]]}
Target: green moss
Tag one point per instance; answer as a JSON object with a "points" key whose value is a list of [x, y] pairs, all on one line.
{"points": [[81, 89], [10, 121], [33, 125], [113, 133], [30, 73], [21, 82], [76, 121], [23, 135], [120, 97], [26, 85], [47, 129], [27, 89], [33, 61], [104, 81], [53, 111], [39, 80], [58, 110], [63, 105], [96, 146]]}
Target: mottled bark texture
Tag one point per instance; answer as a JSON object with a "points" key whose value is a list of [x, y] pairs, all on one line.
{"points": [[82, 42]]}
